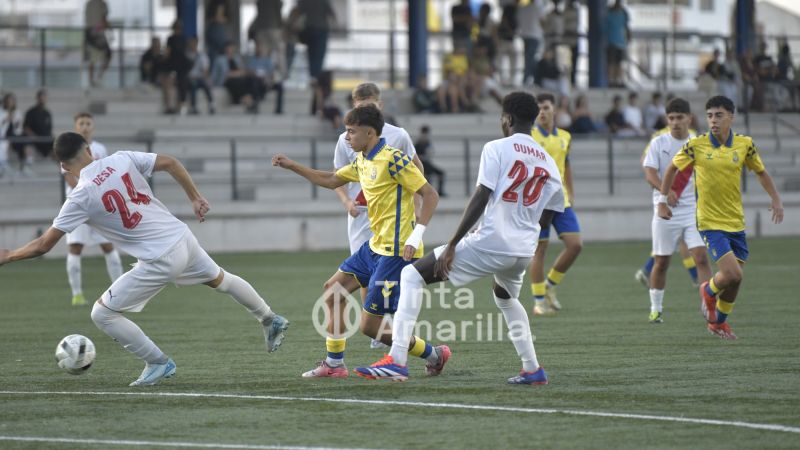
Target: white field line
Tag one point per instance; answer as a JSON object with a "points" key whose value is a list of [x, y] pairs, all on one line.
{"points": [[139, 443], [462, 406]]}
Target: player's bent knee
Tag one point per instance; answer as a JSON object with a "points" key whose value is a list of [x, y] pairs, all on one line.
{"points": [[101, 315]]}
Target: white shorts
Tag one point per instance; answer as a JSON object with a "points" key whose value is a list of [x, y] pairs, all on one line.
{"points": [[86, 235], [358, 231], [471, 264], [667, 233], [186, 263]]}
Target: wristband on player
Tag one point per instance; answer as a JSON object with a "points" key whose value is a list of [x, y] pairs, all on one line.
{"points": [[662, 198], [416, 236]]}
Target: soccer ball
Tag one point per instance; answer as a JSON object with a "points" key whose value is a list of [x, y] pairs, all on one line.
{"points": [[75, 354]]}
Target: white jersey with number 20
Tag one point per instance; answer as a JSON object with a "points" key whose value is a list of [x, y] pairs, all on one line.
{"points": [[112, 195], [525, 181]]}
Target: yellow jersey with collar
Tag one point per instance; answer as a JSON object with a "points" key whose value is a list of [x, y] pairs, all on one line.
{"points": [[718, 175], [557, 145], [389, 179]]}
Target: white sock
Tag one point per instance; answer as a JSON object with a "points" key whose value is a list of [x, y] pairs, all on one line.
{"points": [[128, 334], [656, 300], [245, 295], [408, 307], [74, 273], [519, 331], [113, 265]]}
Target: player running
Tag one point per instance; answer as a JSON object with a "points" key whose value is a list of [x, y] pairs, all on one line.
{"points": [[112, 195], [517, 182]]}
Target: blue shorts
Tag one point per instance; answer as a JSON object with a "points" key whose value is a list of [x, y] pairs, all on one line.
{"points": [[720, 243], [563, 222], [380, 275]]}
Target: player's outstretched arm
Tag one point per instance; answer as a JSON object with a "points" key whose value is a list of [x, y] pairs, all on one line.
{"points": [[568, 182], [473, 211], [34, 248], [319, 177], [174, 167], [666, 186], [777, 206]]}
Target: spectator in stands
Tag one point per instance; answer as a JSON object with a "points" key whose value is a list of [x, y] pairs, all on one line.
{"points": [[425, 99], [655, 114], [199, 77], [553, 25], [506, 32], [549, 75], [765, 66], [618, 34], [461, 31], [216, 33], [633, 115], [615, 119], [317, 17], [570, 39], [754, 91], [10, 127], [529, 20], [267, 30], [481, 76], [453, 92], [96, 48], [786, 74], [582, 121], [261, 65], [424, 149], [487, 32], [148, 64], [242, 85], [323, 103], [38, 123], [177, 66], [730, 77], [563, 117]]}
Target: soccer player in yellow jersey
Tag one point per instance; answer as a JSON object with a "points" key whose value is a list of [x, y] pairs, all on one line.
{"points": [[718, 158], [389, 180], [557, 143]]}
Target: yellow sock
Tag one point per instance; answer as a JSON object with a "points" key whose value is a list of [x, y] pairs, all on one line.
{"points": [[335, 349], [554, 277], [713, 286], [421, 349], [538, 289], [724, 306], [688, 263]]}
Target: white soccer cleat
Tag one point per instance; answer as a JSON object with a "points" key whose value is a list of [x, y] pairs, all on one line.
{"points": [[274, 329], [641, 277], [154, 373], [374, 343], [550, 298]]}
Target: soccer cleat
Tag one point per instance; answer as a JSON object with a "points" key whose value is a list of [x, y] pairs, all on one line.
{"points": [[385, 369], [79, 300], [444, 355], [550, 298], [723, 330], [539, 376], [274, 329], [708, 304], [641, 277], [656, 317], [374, 343], [154, 373], [323, 370], [543, 309]]}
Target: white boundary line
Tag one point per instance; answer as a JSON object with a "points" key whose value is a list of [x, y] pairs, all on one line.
{"points": [[161, 443], [569, 412]]}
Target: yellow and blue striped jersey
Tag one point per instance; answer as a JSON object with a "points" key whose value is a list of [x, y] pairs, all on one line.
{"points": [[718, 175], [389, 179], [557, 145]]}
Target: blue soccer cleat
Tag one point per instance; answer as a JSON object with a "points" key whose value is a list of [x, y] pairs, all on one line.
{"points": [[537, 377], [274, 329], [385, 369], [154, 373]]}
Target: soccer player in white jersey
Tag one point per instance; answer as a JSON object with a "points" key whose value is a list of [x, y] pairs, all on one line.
{"points": [[351, 196], [112, 195], [85, 235], [517, 182], [683, 226]]}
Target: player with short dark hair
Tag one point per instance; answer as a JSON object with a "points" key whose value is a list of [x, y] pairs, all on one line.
{"points": [[517, 182], [718, 158], [112, 195], [389, 181]]}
